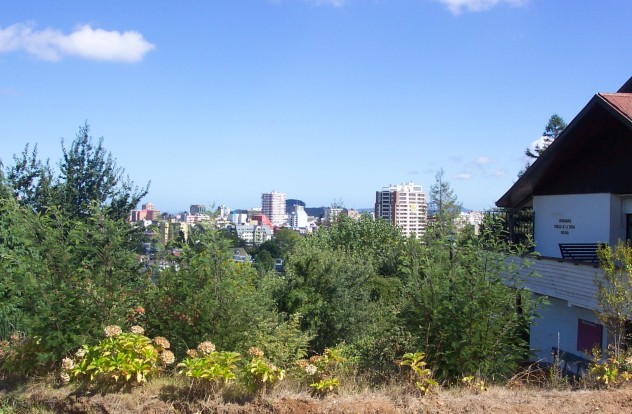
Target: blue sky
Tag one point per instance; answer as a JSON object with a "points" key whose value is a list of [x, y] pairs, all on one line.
{"points": [[219, 101]]}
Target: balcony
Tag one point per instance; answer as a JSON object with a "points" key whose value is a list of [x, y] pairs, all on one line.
{"points": [[569, 280]]}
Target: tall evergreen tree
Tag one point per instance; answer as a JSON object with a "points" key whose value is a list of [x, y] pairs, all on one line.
{"points": [[553, 129], [88, 175], [443, 204]]}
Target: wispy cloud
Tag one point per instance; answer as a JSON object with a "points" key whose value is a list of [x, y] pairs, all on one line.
{"points": [[483, 160], [497, 173], [335, 3], [462, 176], [458, 6], [85, 42]]}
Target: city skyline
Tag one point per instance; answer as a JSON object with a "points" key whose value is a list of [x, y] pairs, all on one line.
{"points": [[325, 100]]}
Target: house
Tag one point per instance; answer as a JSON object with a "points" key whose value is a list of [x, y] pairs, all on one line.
{"points": [[580, 193]]}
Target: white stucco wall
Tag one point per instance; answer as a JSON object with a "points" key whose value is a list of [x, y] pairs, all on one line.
{"points": [[576, 218], [558, 318]]}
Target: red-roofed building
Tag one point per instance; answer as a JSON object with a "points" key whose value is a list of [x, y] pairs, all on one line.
{"points": [[580, 192], [263, 220]]}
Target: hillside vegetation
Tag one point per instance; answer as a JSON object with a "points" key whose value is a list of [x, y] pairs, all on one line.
{"points": [[358, 307]]}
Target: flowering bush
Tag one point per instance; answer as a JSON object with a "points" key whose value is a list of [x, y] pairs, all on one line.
{"points": [[321, 371], [260, 373], [18, 354], [611, 371], [208, 365], [122, 359]]}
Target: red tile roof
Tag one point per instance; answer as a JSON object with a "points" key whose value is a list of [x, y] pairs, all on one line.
{"points": [[622, 102]]}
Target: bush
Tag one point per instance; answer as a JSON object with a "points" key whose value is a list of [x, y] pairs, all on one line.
{"points": [[419, 374], [260, 374], [209, 368], [120, 360], [322, 371]]}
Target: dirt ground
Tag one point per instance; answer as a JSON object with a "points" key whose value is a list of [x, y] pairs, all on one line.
{"points": [[496, 400]]}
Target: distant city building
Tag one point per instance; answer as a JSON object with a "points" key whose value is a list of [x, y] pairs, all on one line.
{"points": [[472, 218], [354, 214], [262, 220], [173, 229], [273, 206], [331, 213], [298, 218], [404, 205], [290, 203], [238, 216], [196, 218], [147, 212], [252, 234], [223, 211], [197, 209]]}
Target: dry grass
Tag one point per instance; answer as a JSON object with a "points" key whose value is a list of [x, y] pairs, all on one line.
{"points": [[175, 395]]}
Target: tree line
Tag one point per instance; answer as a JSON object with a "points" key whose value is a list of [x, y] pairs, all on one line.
{"points": [[69, 267]]}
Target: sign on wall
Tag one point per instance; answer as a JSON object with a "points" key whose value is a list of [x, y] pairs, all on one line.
{"points": [[565, 226]]}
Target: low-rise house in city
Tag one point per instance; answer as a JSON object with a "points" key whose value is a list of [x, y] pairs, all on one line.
{"points": [[578, 194]]}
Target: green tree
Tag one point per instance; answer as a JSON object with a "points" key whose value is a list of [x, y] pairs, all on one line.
{"points": [[443, 205], [344, 281], [87, 277], [208, 296], [329, 289], [461, 305], [552, 130], [18, 252], [264, 261], [377, 241], [68, 254], [87, 174], [614, 292], [31, 180]]}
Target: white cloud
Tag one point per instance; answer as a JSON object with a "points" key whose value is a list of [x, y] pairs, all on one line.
{"points": [[462, 176], [84, 42], [483, 161], [458, 6], [537, 143], [497, 173]]}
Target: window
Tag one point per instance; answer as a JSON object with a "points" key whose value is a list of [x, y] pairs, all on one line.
{"points": [[589, 335], [628, 227]]}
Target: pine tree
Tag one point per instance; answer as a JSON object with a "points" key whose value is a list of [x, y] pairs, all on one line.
{"points": [[443, 204], [553, 129]]}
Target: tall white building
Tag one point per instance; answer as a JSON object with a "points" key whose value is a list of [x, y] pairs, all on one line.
{"points": [[273, 206], [298, 218], [404, 205]]}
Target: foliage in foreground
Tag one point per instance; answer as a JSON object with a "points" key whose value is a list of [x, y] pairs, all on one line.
{"points": [[121, 359], [69, 268]]}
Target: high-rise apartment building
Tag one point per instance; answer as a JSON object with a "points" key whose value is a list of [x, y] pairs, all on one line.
{"points": [[404, 205], [273, 206], [197, 209]]}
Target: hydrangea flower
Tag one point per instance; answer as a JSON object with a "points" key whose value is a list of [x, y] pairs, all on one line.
{"points": [[67, 364], [162, 342], [255, 352], [167, 357], [112, 330], [311, 369], [206, 347]]}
